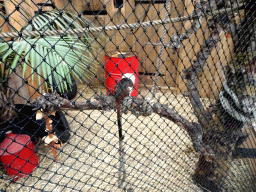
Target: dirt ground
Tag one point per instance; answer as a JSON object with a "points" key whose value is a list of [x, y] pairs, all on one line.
{"points": [[157, 156]]}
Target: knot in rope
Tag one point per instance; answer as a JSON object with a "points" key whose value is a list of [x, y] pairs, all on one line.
{"points": [[147, 107], [246, 109], [126, 104]]}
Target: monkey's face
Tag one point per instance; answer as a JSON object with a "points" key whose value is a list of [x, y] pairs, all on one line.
{"points": [[123, 88]]}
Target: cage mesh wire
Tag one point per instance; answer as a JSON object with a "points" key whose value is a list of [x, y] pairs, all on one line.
{"points": [[195, 58]]}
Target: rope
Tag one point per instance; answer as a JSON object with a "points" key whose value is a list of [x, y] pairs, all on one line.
{"points": [[248, 107], [231, 93], [117, 27], [146, 107], [159, 58], [225, 82], [231, 111], [126, 104], [236, 115]]}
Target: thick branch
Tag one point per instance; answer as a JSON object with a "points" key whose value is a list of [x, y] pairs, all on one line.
{"points": [[193, 73], [210, 169], [194, 129], [53, 102]]}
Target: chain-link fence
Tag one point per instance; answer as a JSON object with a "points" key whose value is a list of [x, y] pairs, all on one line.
{"points": [[135, 95]]}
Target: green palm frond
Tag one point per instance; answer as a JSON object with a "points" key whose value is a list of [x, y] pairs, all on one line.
{"points": [[40, 56], [53, 57]]}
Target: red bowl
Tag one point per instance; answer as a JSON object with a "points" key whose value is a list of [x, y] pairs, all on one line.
{"points": [[17, 155]]}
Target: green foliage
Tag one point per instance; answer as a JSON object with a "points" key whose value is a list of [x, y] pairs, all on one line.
{"points": [[57, 56]]}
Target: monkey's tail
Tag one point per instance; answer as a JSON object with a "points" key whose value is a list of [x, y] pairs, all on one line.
{"points": [[121, 171]]}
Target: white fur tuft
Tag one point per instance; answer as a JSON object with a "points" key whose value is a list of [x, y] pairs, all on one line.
{"points": [[129, 76]]}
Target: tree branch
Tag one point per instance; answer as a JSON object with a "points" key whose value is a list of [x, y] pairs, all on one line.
{"points": [[53, 102]]}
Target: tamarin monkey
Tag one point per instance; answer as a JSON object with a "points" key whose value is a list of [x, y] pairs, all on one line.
{"points": [[123, 89]]}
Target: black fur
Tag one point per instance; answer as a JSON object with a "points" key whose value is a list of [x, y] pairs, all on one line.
{"points": [[118, 3], [72, 89], [25, 123], [60, 126], [121, 91]]}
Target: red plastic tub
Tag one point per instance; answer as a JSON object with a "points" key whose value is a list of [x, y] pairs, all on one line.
{"points": [[17, 155], [119, 64]]}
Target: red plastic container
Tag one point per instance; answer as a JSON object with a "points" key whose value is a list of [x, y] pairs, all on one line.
{"points": [[17, 155], [119, 64]]}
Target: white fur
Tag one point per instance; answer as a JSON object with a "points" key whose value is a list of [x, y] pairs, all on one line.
{"points": [[130, 91], [129, 76], [132, 78]]}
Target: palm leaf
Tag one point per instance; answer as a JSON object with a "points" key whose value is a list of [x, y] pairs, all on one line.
{"points": [[32, 62], [49, 69], [38, 63], [70, 54], [17, 56], [26, 55]]}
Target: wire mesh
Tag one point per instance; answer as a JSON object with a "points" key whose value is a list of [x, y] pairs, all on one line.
{"points": [[136, 95]]}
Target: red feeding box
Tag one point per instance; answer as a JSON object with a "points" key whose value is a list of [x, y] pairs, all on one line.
{"points": [[17, 155], [118, 65]]}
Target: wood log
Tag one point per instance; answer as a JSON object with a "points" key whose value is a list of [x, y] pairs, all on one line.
{"points": [[53, 102], [17, 83]]}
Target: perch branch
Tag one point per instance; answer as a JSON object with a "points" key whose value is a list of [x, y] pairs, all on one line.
{"points": [[209, 169], [192, 75], [53, 102], [193, 129]]}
